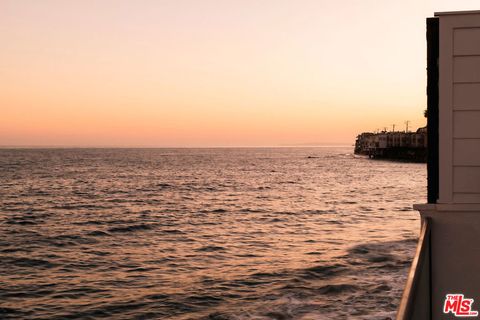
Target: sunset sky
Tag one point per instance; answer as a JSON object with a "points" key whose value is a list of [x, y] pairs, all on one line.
{"points": [[190, 73]]}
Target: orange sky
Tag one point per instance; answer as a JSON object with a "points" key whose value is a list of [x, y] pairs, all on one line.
{"points": [[210, 73]]}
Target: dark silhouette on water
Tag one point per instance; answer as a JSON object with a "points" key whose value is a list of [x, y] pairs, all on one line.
{"points": [[394, 145]]}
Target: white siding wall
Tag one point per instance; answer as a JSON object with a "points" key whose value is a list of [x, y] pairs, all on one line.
{"points": [[460, 109]]}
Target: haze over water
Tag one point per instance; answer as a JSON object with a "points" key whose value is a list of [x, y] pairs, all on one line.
{"points": [[261, 233]]}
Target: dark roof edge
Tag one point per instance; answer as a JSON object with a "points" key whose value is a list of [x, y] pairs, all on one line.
{"points": [[449, 13]]}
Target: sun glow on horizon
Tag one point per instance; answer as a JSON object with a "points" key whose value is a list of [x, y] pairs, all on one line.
{"points": [[210, 73]]}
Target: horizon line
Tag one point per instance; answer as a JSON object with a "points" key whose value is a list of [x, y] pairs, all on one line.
{"points": [[323, 145]]}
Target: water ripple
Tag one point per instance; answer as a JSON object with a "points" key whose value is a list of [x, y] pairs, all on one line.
{"points": [[275, 233]]}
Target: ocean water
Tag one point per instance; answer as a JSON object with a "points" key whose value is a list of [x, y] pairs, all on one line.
{"points": [[261, 233]]}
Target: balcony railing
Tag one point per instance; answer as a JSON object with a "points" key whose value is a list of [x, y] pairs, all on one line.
{"points": [[416, 299]]}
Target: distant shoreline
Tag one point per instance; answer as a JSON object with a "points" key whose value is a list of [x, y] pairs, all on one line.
{"points": [[192, 147]]}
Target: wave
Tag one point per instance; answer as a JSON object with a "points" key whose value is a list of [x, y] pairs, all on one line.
{"points": [[25, 262], [130, 228], [210, 249]]}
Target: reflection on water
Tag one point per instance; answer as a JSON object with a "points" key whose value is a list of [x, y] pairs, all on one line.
{"points": [[280, 233]]}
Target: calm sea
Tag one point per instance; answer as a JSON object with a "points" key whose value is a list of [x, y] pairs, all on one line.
{"points": [[270, 233]]}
